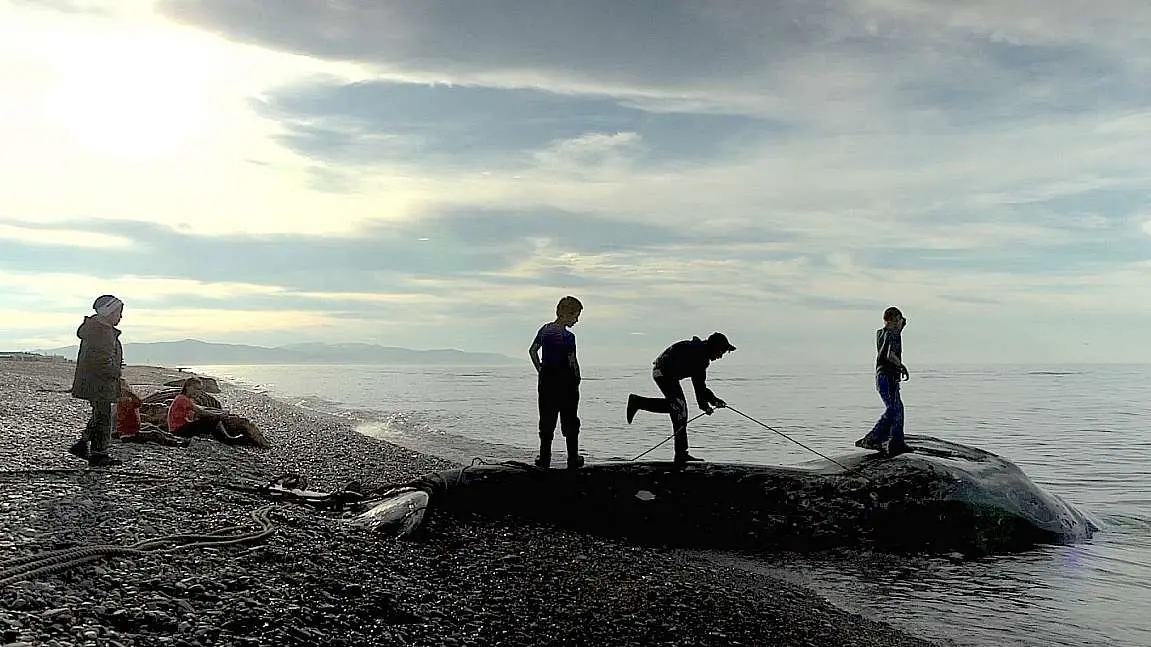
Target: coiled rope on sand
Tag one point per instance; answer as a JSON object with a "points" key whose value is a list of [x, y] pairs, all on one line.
{"points": [[55, 561]]}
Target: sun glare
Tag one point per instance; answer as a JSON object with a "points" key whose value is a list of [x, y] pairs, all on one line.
{"points": [[129, 97]]}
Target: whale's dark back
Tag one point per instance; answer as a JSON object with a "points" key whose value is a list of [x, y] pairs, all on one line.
{"points": [[944, 497]]}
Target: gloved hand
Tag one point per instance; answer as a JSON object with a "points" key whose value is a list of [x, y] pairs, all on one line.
{"points": [[903, 372], [719, 403], [706, 408]]}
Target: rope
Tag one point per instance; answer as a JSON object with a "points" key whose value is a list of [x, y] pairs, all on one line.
{"points": [[44, 563], [756, 422], [787, 437], [668, 438], [82, 470]]}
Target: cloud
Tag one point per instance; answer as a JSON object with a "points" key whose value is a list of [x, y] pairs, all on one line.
{"points": [[460, 242], [80, 7], [644, 41], [426, 173], [436, 125], [55, 237], [802, 59]]}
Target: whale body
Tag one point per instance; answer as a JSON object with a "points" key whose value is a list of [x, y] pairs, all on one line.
{"points": [[942, 497]]}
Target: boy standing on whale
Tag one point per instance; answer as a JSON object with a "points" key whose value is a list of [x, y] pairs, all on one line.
{"points": [[558, 382], [887, 434], [683, 359]]}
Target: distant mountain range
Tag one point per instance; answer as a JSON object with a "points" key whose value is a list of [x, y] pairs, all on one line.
{"points": [[193, 352]]}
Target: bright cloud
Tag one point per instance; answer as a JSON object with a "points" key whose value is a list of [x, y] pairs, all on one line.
{"points": [[60, 237], [255, 172]]}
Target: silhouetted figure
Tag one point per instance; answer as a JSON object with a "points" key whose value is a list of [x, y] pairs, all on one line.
{"points": [[558, 381], [99, 364], [683, 359], [887, 434]]}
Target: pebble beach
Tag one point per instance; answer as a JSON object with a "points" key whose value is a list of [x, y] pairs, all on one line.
{"points": [[315, 580]]}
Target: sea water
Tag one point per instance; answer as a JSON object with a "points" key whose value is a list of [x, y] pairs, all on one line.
{"points": [[1080, 432]]}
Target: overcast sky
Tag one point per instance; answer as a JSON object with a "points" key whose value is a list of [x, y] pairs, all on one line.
{"points": [[433, 174]]}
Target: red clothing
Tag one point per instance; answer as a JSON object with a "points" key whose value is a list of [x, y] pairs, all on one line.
{"points": [[180, 413], [128, 415]]}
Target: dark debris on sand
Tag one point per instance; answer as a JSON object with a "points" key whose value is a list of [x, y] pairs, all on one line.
{"points": [[315, 581]]}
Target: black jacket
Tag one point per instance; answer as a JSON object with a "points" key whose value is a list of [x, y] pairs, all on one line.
{"points": [[98, 364], [688, 358]]}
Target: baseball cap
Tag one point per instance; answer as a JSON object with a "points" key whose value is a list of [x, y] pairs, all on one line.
{"points": [[719, 340]]}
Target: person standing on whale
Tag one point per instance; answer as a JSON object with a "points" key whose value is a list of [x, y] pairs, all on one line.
{"points": [[887, 434], [683, 359], [558, 382]]}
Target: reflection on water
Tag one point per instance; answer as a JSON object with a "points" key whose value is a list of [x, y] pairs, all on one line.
{"points": [[1060, 595], [1078, 432]]}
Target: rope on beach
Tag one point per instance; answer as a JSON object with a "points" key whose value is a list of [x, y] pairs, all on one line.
{"points": [[82, 470], [55, 561]]}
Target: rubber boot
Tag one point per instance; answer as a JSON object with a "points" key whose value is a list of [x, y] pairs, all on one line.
{"points": [[544, 459], [103, 460], [869, 441], [575, 461], [681, 455], [79, 449]]}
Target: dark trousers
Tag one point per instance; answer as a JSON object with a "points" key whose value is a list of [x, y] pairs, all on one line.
{"points": [[98, 431], [673, 403], [558, 399], [209, 427], [890, 424]]}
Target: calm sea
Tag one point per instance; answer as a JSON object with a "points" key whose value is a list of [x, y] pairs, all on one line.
{"points": [[1078, 431]]}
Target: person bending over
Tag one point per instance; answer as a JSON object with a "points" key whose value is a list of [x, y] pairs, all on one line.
{"points": [[683, 359], [558, 381]]}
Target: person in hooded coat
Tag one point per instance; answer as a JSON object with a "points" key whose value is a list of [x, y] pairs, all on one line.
{"points": [[99, 365]]}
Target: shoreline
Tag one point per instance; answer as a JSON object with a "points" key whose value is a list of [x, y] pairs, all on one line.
{"points": [[315, 581]]}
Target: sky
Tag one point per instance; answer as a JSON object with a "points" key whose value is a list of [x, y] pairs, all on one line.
{"points": [[436, 174]]}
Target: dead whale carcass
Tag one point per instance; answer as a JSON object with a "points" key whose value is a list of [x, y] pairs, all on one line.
{"points": [[943, 497]]}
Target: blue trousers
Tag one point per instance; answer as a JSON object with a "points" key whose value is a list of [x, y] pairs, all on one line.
{"points": [[890, 424]]}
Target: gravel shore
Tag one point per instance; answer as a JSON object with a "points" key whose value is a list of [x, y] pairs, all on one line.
{"points": [[315, 581]]}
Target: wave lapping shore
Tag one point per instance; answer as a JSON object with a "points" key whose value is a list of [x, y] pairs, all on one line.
{"points": [[316, 581]]}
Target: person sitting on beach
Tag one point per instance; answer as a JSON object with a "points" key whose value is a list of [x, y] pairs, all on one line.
{"points": [[127, 413], [688, 358], [557, 384], [887, 434], [99, 363], [187, 419]]}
